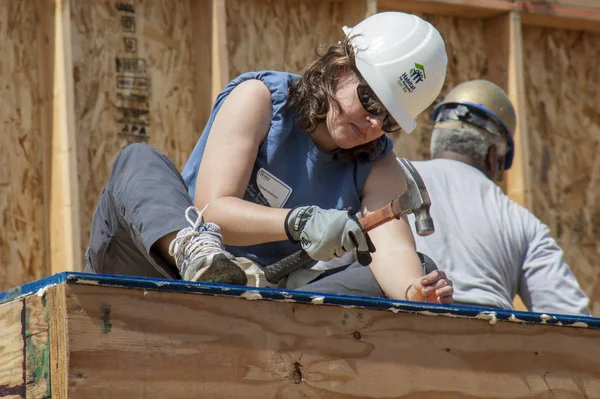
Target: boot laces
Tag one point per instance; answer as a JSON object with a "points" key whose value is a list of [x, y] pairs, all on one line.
{"points": [[199, 241]]}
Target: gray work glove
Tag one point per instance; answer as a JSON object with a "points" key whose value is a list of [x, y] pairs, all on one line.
{"points": [[328, 234]]}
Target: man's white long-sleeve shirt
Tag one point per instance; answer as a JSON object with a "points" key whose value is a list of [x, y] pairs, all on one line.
{"points": [[491, 247]]}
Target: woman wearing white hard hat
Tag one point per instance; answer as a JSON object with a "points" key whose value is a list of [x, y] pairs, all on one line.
{"points": [[282, 161]]}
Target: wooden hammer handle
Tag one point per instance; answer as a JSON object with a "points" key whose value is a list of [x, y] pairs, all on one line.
{"points": [[377, 218]]}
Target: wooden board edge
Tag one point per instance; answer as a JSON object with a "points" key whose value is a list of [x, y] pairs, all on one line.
{"points": [[59, 353]]}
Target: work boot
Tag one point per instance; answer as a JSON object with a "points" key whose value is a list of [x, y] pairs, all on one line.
{"points": [[200, 255]]}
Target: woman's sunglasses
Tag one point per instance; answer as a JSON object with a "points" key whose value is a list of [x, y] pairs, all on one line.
{"points": [[372, 104]]}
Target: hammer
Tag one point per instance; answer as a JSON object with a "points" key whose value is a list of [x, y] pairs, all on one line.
{"points": [[414, 200]]}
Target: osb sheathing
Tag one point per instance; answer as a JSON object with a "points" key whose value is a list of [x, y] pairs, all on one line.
{"points": [[117, 98], [22, 242], [562, 80], [283, 34]]}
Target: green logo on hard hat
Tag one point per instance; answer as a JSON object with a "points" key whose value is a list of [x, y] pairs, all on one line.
{"points": [[409, 80]]}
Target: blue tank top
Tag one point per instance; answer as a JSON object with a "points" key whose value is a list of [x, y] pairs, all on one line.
{"points": [[289, 169]]}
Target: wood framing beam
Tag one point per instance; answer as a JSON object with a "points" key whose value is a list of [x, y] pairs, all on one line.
{"points": [[370, 7], [202, 10], [505, 68], [59, 340], [518, 178], [503, 64], [464, 8], [45, 36], [565, 14], [65, 227], [220, 55]]}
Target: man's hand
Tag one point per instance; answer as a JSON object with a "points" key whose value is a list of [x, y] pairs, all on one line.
{"points": [[328, 234], [434, 287]]}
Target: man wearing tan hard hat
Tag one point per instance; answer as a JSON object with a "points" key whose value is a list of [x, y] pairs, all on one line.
{"points": [[491, 247]]}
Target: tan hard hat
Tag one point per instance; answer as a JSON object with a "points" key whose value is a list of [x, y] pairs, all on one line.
{"points": [[486, 97], [483, 104]]}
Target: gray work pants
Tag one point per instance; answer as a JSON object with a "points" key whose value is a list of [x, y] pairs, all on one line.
{"points": [[145, 199]]}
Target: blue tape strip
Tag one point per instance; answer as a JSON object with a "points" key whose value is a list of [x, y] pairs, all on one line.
{"points": [[274, 294]]}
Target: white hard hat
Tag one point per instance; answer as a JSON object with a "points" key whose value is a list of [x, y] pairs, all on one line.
{"points": [[403, 59]]}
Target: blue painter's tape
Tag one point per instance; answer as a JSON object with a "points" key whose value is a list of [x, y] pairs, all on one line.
{"points": [[32, 287], [490, 314]]}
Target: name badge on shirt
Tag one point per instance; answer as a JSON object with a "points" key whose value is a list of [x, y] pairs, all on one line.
{"points": [[274, 190]]}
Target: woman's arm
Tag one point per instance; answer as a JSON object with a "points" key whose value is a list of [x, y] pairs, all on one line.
{"points": [[238, 130], [395, 264]]}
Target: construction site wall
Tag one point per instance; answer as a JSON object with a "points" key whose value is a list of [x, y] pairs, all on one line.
{"points": [[81, 79]]}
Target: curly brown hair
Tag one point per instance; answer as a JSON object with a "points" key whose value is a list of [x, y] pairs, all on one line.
{"points": [[311, 95]]}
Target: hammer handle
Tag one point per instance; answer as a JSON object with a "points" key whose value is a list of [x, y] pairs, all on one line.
{"points": [[377, 218], [278, 270]]}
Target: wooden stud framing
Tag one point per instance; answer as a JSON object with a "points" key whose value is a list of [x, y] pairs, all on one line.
{"points": [[505, 68], [564, 14], [202, 10], [45, 36], [59, 340], [370, 7], [460, 8], [503, 64], [518, 177], [65, 226], [220, 58]]}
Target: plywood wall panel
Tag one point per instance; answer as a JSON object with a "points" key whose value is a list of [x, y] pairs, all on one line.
{"points": [[467, 59], [134, 78], [563, 92], [283, 34], [23, 102]]}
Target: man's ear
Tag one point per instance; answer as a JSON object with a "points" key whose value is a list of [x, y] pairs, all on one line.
{"points": [[495, 164], [500, 173], [492, 161]]}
